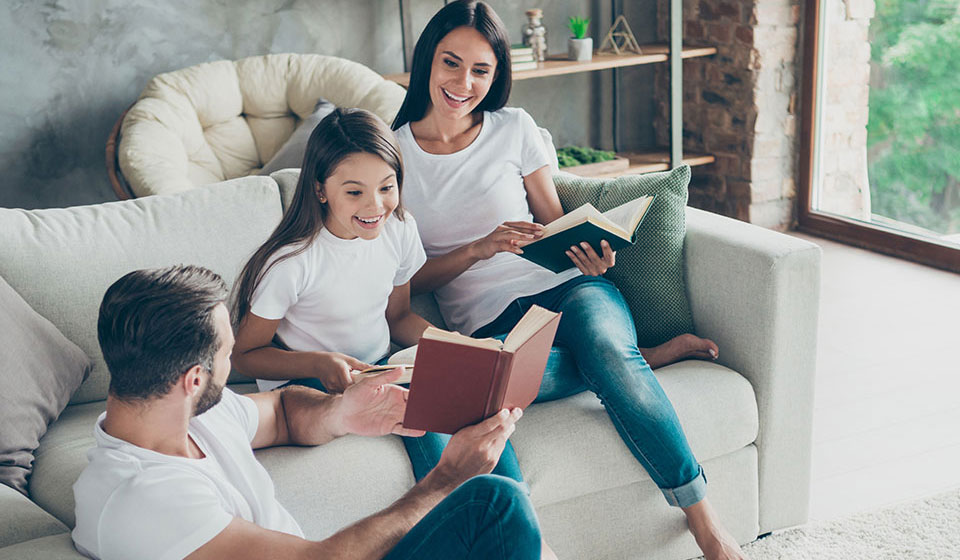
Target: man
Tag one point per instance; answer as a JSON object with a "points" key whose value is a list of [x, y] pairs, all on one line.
{"points": [[174, 475]]}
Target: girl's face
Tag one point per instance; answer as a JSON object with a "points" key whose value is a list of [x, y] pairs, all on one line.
{"points": [[463, 69], [360, 195]]}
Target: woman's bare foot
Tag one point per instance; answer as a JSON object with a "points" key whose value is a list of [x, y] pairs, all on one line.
{"points": [[680, 348], [712, 538]]}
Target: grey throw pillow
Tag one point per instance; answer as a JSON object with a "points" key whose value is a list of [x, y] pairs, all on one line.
{"points": [[39, 370], [291, 153]]}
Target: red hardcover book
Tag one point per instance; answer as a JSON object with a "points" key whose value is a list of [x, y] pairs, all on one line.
{"points": [[459, 381]]}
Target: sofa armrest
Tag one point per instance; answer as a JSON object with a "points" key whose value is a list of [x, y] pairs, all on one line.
{"points": [[756, 293]]}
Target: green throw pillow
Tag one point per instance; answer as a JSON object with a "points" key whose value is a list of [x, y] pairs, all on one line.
{"points": [[650, 272]]}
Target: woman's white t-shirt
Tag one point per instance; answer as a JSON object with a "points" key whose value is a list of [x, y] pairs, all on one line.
{"points": [[461, 197], [332, 297], [132, 502]]}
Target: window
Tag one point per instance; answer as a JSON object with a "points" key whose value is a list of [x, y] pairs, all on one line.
{"points": [[880, 154]]}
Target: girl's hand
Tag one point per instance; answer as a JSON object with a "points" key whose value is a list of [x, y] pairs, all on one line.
{"points": [[333, 370], [508, 237], [588, 261]]}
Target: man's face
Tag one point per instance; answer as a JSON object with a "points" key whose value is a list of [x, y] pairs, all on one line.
{"points": [[217, 378]]}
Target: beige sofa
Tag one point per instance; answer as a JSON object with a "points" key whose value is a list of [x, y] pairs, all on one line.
{"points": [[748, 417]]}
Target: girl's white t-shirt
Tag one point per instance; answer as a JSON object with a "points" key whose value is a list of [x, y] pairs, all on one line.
{"points": [[461, 197], [132, 502], [333, 296]]}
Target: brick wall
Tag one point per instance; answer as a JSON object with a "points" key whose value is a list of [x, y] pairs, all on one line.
{"points": [[740, 105]]}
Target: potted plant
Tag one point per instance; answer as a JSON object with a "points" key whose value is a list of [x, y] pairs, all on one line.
{"points": [[579, 47]]}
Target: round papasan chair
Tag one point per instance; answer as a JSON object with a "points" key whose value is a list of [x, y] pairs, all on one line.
{"points": [[220, 120]]}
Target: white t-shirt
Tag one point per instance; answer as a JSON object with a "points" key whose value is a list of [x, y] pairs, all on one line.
{"points": [[136, 503], [333, 296], [461, 197]]}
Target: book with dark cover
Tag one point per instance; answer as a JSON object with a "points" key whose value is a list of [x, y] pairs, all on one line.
{"points": [[618, 226], [460, 381]]}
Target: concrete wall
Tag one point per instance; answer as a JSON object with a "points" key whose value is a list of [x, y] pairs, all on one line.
{"points": [[68, 69]]}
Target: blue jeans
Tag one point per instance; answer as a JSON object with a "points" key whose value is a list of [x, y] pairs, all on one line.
{"points": [[596, 349], [486, 517]]}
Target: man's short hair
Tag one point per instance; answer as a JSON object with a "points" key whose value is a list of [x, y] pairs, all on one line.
{"points": [[156, 324]]}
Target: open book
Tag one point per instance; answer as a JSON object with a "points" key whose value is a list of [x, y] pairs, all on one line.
{"points": [[461, 380], [404, 377], [618, 226]]}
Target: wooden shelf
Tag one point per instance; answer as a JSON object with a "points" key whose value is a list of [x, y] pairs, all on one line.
{"points": [[557, 64], [648, 162]]}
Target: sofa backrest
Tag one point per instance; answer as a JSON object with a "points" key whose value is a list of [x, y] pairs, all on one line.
{"points": [[61, 261], [225, 119]]}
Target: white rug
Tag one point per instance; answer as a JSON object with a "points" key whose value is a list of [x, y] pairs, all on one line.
{"points": [[927, 529]]}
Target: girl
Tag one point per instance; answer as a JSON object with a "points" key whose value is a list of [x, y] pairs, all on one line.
{"points": [[479, 182], [331, 284]]}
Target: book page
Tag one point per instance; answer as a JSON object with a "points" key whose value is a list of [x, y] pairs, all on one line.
{"points": [[629, 214], [531, 322], [571, 219], [434, 333], [405, 377]]}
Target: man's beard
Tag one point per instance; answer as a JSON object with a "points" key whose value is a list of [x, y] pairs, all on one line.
{"points": [[211, 395]]}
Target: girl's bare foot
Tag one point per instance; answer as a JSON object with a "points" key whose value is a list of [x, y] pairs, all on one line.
{"points": [[680, 348], [712, 538]]}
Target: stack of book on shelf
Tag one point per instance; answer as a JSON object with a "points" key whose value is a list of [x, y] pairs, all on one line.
{"points": [[521, 58]]}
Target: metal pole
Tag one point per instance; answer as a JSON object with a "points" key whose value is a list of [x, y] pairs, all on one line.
{"points": [[676, 83], [406, 34]]}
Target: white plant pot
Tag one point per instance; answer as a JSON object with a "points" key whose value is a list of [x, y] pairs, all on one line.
{"points": [[580, 49]]}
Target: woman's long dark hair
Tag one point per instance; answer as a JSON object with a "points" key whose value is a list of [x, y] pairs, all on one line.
{"points": [[340, 134], [469, 13]]}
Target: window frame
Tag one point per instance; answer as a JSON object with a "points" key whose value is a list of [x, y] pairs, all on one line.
{"points": [[874, 237]]}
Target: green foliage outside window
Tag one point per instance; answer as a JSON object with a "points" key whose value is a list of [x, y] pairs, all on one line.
{"points": [[913, 135]]}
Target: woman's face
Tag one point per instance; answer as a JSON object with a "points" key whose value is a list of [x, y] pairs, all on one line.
{"points": [[463, 69]]}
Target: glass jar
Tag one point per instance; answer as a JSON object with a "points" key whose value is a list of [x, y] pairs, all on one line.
{"points": [[535, 34]]}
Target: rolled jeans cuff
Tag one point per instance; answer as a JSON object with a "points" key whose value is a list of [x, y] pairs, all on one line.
{"points": [[688, 494]]}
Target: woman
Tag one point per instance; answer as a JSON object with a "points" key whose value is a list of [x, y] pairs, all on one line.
{"points": [[479, 185]]}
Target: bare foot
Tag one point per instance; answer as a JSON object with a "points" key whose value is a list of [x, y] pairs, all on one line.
{"points": [[712, 538], [680, 348]]}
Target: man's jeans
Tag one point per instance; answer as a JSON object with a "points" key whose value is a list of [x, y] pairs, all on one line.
{"points": [[596, 349], [486, 517]]}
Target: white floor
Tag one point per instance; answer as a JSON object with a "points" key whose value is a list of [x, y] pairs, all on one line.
{"points": [[887, 407]]}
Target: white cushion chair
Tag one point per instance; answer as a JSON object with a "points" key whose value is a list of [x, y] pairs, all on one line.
{"points": [[226, 119]]}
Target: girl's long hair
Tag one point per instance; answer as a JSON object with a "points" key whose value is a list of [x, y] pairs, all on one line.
{"points": [[340, 134], [469, 13]]}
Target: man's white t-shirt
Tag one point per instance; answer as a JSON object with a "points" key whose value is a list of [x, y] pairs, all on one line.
{"points": [[136, 503], [333, 296], [461, 197]]}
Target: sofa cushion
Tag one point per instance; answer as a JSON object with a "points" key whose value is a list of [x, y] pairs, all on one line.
{"points": [[327, 487], [22, 520], [716, 406], [39, 370], [54, 547], [62, 260], [649, 272]]}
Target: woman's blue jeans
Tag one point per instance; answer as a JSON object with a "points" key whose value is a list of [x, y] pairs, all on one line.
{"points": [[486, 517], [596, 349]]}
